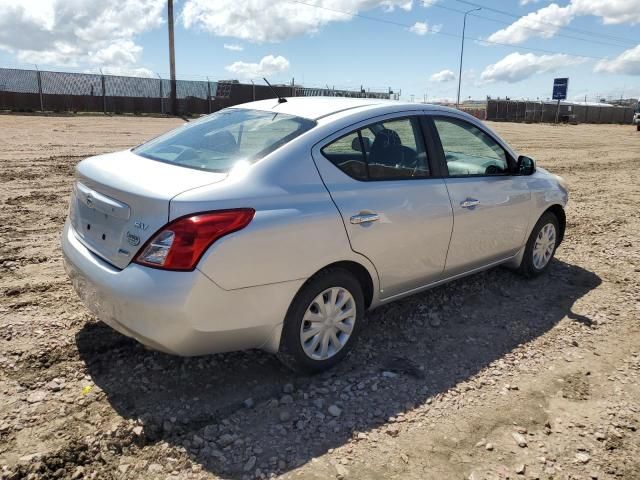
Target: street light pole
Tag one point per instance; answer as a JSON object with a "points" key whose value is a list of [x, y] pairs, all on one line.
{"points": [[464, 26], [172, 59]]}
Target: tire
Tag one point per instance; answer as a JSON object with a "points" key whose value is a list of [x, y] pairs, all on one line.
{"points": [[532, 265], [329, 287]]}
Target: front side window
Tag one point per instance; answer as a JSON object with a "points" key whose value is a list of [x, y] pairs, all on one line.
{"points": [[217, 142], [470, 151], [387, 150]]}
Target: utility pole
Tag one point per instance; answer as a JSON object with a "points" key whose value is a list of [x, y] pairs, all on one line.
{"points": [[464, 26], [172, 59]]}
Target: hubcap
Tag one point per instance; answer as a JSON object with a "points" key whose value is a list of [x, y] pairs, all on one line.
{"points": [[544, 246], [328, 323]]}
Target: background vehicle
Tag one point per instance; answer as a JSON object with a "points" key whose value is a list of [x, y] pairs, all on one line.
{"points": [[636, 116], [276, 225]]}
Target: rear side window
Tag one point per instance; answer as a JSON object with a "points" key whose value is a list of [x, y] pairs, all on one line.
{"points": [[389, 150], [346, 154], [216, 142]]}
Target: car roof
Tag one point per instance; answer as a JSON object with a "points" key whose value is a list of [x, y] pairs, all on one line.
{"points": [[315, 108]]}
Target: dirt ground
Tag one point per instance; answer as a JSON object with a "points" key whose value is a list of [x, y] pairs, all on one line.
{"points": [[493, 376]]}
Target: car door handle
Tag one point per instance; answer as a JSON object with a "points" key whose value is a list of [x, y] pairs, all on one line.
{"points": [[364, 218], [469, 203]]}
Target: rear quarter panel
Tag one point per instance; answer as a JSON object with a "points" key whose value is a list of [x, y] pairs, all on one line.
{"points": [[296, 230]]}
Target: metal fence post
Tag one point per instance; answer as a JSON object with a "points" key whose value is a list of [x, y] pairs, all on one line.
{"points": [[209, 93], [104, 93], [161, 95], [39, 77]]}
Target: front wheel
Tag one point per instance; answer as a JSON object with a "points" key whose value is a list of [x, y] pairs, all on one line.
{"points": [[322, 322], [541, 246]]}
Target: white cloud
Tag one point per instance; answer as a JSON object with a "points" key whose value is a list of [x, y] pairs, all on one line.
{"points": [[443, 76], [128, 71], [543, 23], [270, 21], [628, 62], [547, 21], [77, 32], [611, 11], [517, 66], [269, 65], [420, 28], [233, 47]]}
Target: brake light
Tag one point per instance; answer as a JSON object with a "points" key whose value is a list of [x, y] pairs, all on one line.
{"points": [[180, 244]]}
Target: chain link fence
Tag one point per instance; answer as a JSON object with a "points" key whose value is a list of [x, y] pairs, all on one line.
{"points": [[45, 91]]}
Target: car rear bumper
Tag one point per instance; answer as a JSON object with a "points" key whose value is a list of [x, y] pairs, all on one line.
{"points": [[183, 313]]}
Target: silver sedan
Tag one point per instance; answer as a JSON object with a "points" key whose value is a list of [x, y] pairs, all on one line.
{"points": [[276, 225]]}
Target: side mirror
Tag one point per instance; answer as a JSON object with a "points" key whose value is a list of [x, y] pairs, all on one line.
{"points": [[355, 144], [526, 166]]}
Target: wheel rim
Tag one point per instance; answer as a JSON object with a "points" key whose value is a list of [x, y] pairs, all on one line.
{"points": [[544, 246], [328, 323]]}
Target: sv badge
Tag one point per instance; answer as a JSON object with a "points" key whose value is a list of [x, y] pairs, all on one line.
{"points": [[139, 224]]}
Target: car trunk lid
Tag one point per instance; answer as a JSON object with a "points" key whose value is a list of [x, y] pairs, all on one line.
{"points": [[121, 199]]}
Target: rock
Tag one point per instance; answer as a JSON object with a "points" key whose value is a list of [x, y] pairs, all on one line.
{"points": [[248, 403], [393, 431], [335, 410], [520, 469], [404, 458], [155, 468], [489, 446], [250, 464], [137, 431], [225, 439], [78, 473], [288, 388], [284, 416], [210, 432], [434, 320], [387, 374], [286, 400], [341, 470], [55, 385], [520, 439], [37, 396], [583, 457]]}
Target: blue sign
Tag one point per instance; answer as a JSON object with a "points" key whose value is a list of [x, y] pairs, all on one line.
{"points": [[560, 86]]}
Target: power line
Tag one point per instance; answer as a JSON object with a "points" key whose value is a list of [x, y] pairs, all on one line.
{"points": [[573, 29], [447, 34], [437, 5]]}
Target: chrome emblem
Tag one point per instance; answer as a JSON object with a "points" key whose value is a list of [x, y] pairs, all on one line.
{"points": [[133, 239], [89, 201]]}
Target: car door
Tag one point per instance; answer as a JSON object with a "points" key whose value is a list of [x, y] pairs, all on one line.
{"points": [[396, 214], [490, 203]]}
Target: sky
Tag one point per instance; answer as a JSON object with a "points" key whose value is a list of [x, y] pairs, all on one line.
{"points": [[513, 48]]}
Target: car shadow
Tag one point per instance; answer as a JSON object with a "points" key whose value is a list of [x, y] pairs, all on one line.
{"points": [[238, 412]]}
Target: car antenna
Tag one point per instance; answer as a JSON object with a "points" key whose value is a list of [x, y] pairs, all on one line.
{"points": [[280, 99]]}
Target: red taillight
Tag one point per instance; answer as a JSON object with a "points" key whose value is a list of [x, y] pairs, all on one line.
{"points": [[180, 244]]}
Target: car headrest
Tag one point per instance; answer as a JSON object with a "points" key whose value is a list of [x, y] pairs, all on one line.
{"points": [[386, 138]]}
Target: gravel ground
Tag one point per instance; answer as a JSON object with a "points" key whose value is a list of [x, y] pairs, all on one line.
{"points": [[489, 377]]}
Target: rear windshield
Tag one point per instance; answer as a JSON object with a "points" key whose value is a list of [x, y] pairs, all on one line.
{"points": [[216, 142]]}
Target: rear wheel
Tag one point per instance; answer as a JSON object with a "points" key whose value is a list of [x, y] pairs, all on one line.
{"points": [[541, 246], [323, 322]]}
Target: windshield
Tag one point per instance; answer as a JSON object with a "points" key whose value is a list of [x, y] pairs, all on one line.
{"points": [[217, 142]]}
